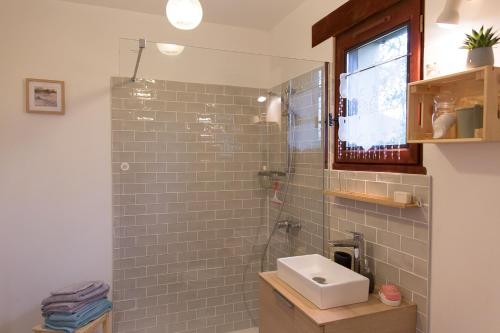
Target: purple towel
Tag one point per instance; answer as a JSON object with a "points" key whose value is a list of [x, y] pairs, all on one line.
{"points": [[79, 296], [69, 307], [78, 288]]}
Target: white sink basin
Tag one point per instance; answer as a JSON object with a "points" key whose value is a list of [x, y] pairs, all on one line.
{"points": [[341, 286]]}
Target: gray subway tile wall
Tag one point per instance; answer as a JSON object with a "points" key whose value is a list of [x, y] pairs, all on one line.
{"points": [[304, 102], [189, 213], [397, 240], [191, 217]]}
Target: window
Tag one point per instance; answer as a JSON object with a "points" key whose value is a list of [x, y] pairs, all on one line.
{"points": [[377, 57], [375, 95]]}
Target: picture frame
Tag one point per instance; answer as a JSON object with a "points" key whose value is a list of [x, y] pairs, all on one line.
{"points": [[45, 96]]}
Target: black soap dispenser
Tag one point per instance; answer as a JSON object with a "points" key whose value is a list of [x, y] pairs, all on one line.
{"points": [[369, 275]]}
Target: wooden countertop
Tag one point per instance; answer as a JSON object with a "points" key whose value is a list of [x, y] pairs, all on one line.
{"points": [[323, 317]]}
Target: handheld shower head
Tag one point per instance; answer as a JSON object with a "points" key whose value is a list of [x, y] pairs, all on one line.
{"points": [[286, 97]]}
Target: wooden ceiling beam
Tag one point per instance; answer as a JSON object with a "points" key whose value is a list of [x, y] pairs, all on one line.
{"points": [[347, 16]]}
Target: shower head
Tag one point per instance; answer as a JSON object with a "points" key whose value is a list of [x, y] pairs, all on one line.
{"points": [[284, 96], [285, 99], [289, 90]]}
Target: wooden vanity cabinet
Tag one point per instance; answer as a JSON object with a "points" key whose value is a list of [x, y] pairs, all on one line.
{"points": [[283, 310], [279, 315]]}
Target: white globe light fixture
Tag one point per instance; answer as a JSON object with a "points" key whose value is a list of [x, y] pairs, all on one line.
{"points": [[184, 14], [170, 49]]}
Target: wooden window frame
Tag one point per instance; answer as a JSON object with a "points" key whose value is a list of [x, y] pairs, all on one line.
{"points": [[372, 24]]}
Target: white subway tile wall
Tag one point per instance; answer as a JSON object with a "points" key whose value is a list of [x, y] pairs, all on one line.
{"points": [[397, 241]]}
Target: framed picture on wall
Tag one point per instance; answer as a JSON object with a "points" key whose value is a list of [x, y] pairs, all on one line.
{"points": [[45, 96]]}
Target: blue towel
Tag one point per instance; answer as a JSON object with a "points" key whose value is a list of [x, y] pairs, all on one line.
{"points": [[69, 322]]}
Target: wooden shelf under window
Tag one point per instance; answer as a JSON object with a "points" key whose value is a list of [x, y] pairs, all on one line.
{"points": [[478, 84], [370, 198]]}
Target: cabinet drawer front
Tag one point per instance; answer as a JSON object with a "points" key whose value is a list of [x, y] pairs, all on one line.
{"points": [[276, 312], [305, 324], [279, 315], [399, 320]]}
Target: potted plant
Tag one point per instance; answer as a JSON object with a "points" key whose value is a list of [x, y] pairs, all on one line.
{"points": [[480, 45]]}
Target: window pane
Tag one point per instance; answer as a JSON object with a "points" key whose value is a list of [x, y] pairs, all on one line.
{"points": [[375, 89], [390, 46]]}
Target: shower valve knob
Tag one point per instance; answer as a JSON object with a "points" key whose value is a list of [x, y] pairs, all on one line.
{"points": [[124, 166]]}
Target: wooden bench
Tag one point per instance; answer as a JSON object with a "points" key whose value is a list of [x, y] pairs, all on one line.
{"points": [[104, 320]]}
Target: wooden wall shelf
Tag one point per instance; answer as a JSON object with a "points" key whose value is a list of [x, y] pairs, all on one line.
{"points": [[375, 199], [459, 140], [478, 84]]}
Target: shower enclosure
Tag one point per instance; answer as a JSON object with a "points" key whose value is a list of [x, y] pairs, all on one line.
{"points": [[217, 172]]}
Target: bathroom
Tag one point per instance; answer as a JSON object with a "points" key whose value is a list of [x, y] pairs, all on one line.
{"points": [[136, 177]]}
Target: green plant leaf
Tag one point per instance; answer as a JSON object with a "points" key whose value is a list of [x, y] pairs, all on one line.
{"points": [[494, 41], [481, 38], [481, 41]]}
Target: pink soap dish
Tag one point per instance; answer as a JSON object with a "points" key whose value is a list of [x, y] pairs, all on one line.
{"points": [[389, 295]]}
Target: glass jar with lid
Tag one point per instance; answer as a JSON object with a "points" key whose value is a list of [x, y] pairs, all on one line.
{"points": [[444, 117]]}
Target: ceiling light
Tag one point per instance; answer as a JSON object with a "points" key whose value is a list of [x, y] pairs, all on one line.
{"points": [[184, 14], [450, 17], [170, 49], [262, 99]]}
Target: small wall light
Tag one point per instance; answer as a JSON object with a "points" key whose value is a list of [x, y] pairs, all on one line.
{"points": [[450, 17], [261, 99], [170, 49]]}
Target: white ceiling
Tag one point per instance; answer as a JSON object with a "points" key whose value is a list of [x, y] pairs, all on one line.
{"points": [[256, 14]]}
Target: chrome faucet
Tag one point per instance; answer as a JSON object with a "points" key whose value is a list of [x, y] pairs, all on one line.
{"points": [[357, 242], [289, 226]]}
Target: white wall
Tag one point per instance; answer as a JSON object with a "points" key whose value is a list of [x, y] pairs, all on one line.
{"points": [[55, 171], [466, 179], [291, 37], [465, 289], [55, 188]]}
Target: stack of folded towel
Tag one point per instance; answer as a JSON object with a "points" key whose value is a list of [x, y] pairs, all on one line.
{"points": [[75, 306]]}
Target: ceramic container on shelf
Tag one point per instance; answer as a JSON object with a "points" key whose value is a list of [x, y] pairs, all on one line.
{"points": [[481, 56], [469, 120]]}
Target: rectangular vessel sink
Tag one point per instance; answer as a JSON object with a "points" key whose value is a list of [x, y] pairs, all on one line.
{"points": [[322, 281]]}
